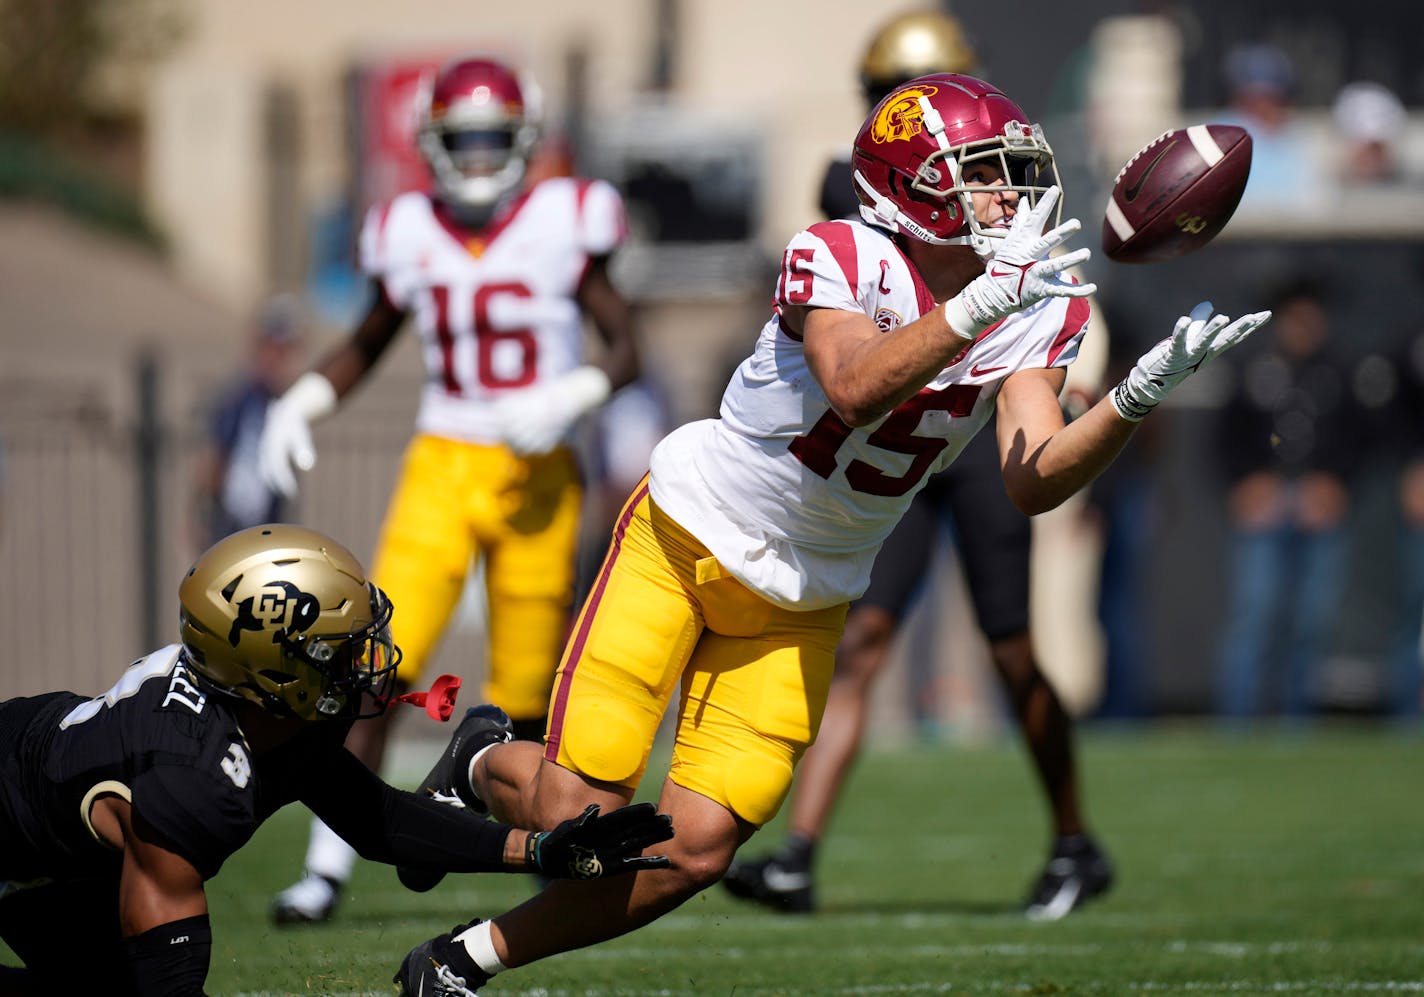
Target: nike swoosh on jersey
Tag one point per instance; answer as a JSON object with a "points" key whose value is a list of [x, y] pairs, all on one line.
{"points": [[1131, 193], [977, 371]]}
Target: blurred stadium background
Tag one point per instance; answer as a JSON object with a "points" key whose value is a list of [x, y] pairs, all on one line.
{"points": [[165, 166]]}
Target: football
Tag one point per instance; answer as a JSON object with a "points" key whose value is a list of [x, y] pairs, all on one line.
{"points": [[1176, 193]]}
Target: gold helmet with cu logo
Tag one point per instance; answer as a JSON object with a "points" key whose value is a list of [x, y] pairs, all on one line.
{"points": [[914, 44], [285, 617]]}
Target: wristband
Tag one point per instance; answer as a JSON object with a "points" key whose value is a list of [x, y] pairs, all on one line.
{"points": [[960, 322], [1127, 404]]}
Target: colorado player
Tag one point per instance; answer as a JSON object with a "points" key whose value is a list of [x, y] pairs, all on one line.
{"points": [[115, 811], [498, 275], [731, 568]]}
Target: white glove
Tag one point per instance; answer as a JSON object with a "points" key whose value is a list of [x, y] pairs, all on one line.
{"points": [[286, 433], [1020, 273], [1198, 337], [535, 420]]}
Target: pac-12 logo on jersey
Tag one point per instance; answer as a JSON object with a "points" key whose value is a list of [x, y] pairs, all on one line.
{"points": [[280, 605], [887, 319]]}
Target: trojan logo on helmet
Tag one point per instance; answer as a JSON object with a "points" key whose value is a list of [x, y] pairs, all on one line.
{"points": [[916, 162], [903, 117]]}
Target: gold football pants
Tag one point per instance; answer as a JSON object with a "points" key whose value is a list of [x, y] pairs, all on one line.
{"points": [[455, 503], [664, 615]]}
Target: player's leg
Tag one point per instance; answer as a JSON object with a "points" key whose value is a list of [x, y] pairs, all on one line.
{"points": [[622, 663], [784, 879], [1320, 571], [994, 541], [421, 561], [529, 579], [753, 687]]}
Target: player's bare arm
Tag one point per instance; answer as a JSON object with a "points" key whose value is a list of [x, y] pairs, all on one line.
{"points": [[613, 318], [1045, 461], [286, 434], [866, 372], [346, 365], [158, 886]]}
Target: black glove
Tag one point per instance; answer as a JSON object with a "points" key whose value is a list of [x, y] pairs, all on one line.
{"points": [[589, 846]]}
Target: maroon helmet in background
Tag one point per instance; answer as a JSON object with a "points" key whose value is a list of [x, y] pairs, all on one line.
{"points": [[911, 152], [479, 125]]}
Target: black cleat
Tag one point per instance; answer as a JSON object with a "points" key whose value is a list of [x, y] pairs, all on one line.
{"points": [[448, 780], [772, 884], [1077, 872], [310, 900], [439, 967]]}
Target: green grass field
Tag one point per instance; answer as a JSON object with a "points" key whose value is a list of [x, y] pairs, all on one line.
{"points": [[1281, 863]]}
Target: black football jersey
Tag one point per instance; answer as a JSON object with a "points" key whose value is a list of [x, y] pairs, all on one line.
{"points": [[158, 738]]}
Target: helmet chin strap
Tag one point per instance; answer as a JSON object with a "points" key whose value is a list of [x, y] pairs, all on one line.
{"points": [[886, 214]]}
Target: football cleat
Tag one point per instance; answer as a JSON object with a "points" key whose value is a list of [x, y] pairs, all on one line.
{"points": [[310, 900], [772, 883], [1077, 872], [448, 781], [439, 967]]}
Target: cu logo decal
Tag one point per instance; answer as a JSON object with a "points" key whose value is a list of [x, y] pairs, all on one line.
{"points": [[278, 606]]}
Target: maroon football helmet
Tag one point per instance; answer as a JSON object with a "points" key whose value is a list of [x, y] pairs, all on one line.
{"points": [[479, 124], [910, 156]]}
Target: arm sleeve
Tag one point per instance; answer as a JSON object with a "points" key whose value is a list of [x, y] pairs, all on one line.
{"points": [[389, 825]]}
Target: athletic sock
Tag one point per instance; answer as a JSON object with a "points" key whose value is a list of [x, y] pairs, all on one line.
{"points": [[480, 945], [328, 854]]}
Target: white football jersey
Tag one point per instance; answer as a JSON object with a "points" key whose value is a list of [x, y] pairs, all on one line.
{"points": [[788, 498], [495, 308]]}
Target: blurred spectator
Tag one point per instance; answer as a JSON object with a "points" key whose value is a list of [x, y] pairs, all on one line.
{"points": [[1369, 119], [1405, 432], [1287, 439], [1261, 84], [1122, 504], [229, 493]]}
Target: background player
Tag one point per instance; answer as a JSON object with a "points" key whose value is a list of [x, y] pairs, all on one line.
{"points": [[497, 273], [993, 542], [891, 341], [116, 810]]}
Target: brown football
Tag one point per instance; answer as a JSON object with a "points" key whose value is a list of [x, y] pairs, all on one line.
{"points": [[1177, 193]]}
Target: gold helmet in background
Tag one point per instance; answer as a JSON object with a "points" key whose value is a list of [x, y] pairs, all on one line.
{"points": [[284, 617], [910, 45]]}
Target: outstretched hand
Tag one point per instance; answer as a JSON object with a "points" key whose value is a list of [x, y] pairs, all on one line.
{"points": [[591, 846], [1197, 338], [1020, 273]]}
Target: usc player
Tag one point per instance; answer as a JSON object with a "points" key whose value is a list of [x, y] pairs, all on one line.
{"points": [[498, 270], [992, 539]]}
